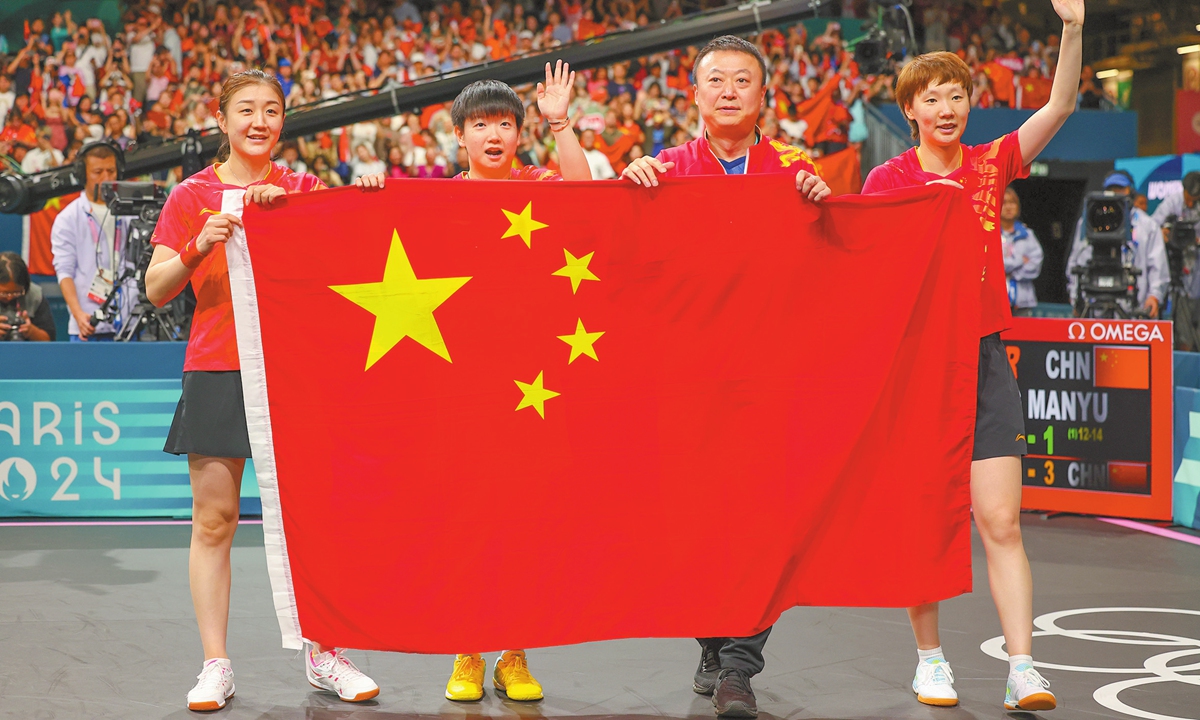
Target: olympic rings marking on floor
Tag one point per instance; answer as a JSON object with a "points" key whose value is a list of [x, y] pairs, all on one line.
{"points": [[1156, 669]]}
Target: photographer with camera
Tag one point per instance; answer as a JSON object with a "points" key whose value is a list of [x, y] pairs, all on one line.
{"points": [[1179, 216], [24, 313], [1145, 252], [1183, 207], [86, 240]]}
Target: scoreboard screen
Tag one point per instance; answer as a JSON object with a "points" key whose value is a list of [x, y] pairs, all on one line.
{"points": [[1096, 398]]}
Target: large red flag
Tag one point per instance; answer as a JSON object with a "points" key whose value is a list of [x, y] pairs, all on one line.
{"points": [[490, 415]]}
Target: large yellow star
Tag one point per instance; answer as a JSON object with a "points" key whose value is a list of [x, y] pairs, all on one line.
{"points": [[522, 224], [576, 269], [581, 342], [402, 304], [535, 395]]}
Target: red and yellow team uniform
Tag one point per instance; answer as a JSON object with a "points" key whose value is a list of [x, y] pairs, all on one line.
{"points": [[212, 345], [986, 170], [765, 156]]}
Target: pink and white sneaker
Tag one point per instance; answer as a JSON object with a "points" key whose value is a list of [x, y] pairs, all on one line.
{"points": [[214, 685], [333, 671]]}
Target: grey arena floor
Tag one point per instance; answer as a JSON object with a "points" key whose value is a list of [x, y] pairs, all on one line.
{"points": [[96, 622]]}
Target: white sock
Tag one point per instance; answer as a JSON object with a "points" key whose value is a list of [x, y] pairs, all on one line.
{"points": [[928, 655], [1015, 660]]}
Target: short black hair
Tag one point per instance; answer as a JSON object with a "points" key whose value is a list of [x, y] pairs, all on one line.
{"points": [[13, 269], [100, 149], [731, 43], [486, 99], [1191, 183]]}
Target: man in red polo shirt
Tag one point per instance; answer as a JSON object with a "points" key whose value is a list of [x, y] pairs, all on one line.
{"points": [[729, 89]]}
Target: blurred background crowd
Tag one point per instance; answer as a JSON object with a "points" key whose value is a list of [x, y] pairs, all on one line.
{"points": [[157, 73]]}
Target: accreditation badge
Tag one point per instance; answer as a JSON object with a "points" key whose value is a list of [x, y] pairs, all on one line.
{"points": [[102, 286]]}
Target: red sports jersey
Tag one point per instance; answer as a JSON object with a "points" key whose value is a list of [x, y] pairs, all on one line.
{"points": [[765, 156], [525, 172], [985, 172], [213, 342]]}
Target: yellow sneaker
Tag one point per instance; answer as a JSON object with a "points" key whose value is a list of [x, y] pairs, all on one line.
{"points": [[513, 679], [466, 682]]}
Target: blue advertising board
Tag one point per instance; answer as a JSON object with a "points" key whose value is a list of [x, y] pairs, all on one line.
{"points": [[82, 428], [1158, 176]]}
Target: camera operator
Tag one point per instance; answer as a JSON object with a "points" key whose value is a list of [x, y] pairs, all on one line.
{"points": [[1022, 255], [1148, 252], [24, 313], [87, 243], [1184, 205]]}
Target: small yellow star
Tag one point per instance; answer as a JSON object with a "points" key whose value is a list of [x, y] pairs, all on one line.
{"points": [[522, 224], [581, 342], [535, 395], [576, 269], [402, 304]]}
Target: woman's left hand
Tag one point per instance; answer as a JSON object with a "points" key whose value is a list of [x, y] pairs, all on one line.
{"points": [[263, 195], [374, 181], [554, 95], [1071, 11]]}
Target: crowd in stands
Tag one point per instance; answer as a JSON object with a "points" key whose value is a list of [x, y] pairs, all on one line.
{"points": [[158, 76]]}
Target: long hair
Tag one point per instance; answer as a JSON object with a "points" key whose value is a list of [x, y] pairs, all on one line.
{"points": [[236, 83]]}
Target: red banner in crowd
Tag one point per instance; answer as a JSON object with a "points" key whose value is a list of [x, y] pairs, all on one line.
{"points": [[812, 111], [483, 417], [1187, 121], [841, 171], [40, 223]]}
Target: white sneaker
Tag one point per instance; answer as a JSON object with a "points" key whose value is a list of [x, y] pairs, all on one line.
{"points": [[1028, 690], [213, 687], [333, 671], [934, 683]]}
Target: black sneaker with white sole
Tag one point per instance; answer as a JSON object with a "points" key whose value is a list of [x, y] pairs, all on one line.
{"points": [[705, 679]]}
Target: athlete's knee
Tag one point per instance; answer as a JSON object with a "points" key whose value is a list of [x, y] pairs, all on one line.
{"points": [[214, 527], [1000, 527]]}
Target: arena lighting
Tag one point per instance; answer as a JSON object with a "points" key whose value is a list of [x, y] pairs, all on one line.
{"points": [[1107, 74], [1188, 49], [25, 194]]}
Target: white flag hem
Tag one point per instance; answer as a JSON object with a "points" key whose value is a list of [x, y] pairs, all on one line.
{"points": [[258, 423]]}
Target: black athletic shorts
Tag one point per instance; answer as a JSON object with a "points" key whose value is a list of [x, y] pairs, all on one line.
{"points": [[211, 416], [999, 420]]}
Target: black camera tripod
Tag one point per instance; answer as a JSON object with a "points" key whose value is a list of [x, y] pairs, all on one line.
{"points": [[161, 323]]}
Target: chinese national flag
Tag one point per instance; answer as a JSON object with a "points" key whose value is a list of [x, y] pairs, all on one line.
{"points": [[489, 415], [1002, 82], [814, 110], [1119, 366]]}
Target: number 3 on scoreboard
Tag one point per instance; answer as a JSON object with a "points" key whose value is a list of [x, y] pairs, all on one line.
{"points": [[1049, 479]]}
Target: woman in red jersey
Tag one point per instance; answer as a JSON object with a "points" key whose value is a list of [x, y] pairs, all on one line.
{"points": [[934, 92], [210, 421]]}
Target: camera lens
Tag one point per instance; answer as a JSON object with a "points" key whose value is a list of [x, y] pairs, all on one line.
{"points": [[1106, 216], [13, 193]]}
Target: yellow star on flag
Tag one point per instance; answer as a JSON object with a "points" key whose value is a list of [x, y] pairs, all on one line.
{"points": [[522, 224], [535, 395], [581, 342], [402, 304], [576, 269]]}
